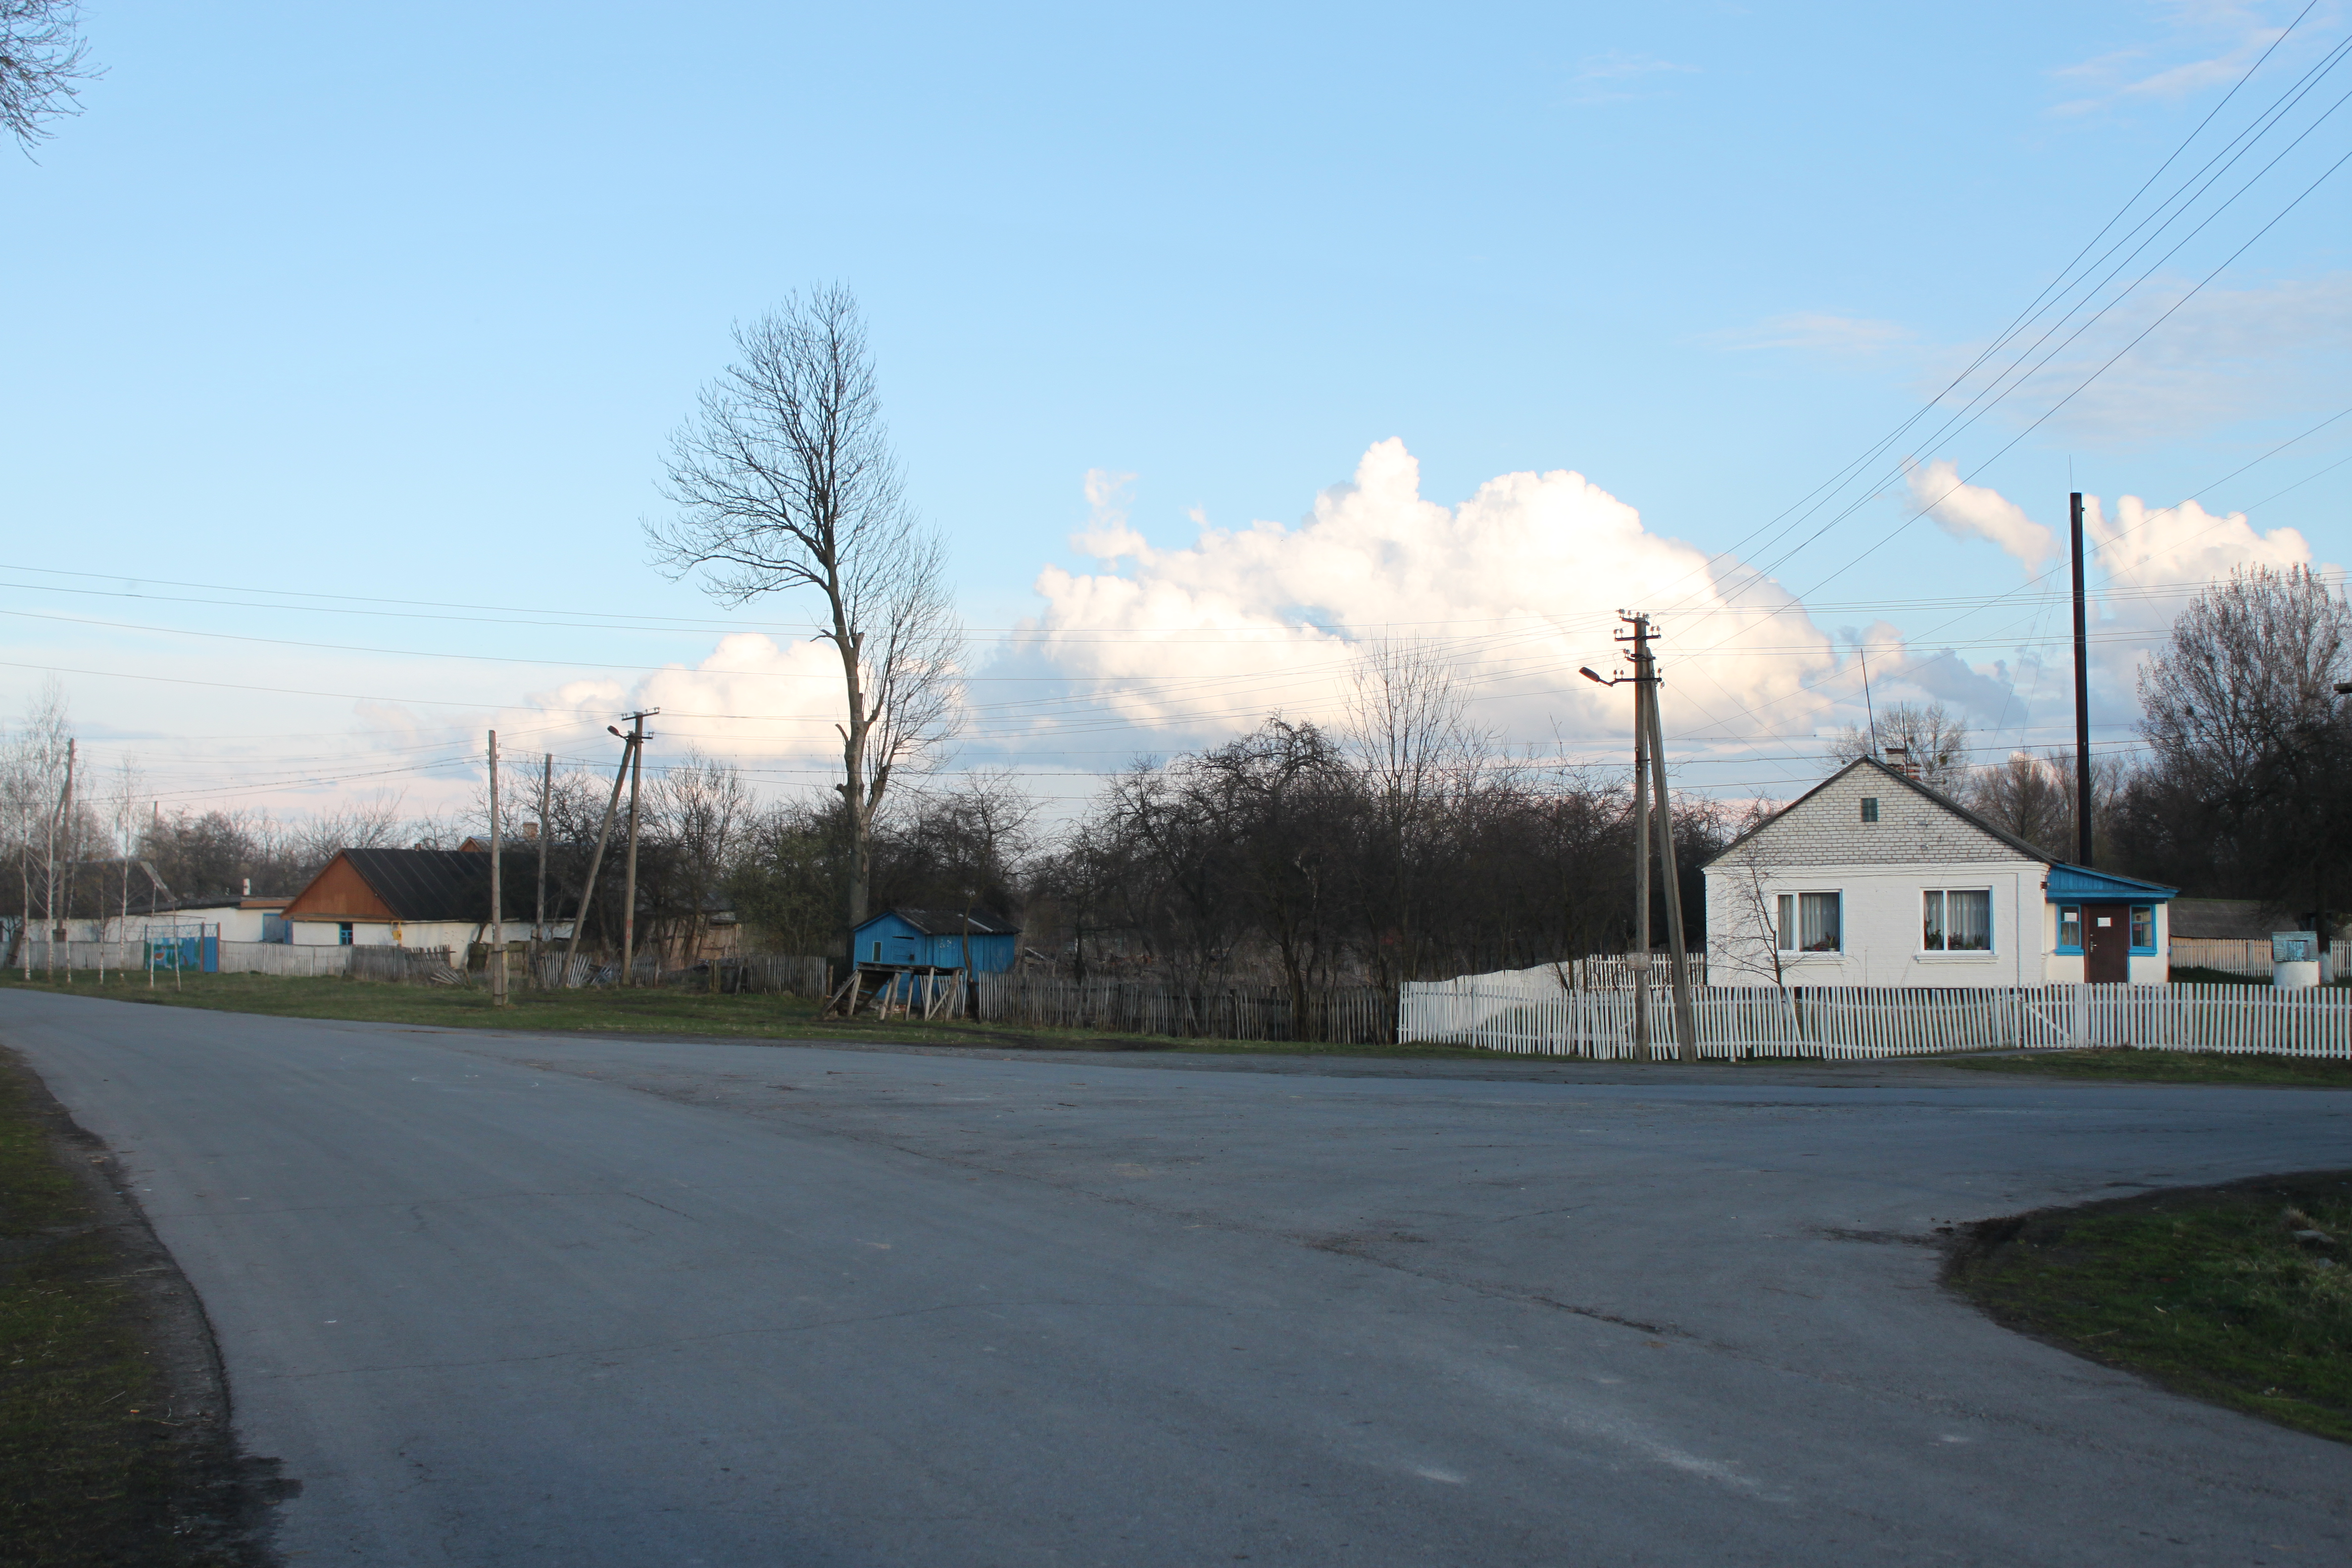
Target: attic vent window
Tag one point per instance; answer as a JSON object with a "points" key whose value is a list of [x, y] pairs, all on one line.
{"points": [[1870, 808]]}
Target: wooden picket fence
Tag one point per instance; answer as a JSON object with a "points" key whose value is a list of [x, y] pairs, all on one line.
{"points": [[1849, 1022], [1360, 1014], [2232, 955]]}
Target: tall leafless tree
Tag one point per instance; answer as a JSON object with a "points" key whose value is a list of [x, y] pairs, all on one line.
{"points": [[2249, 784], [784, 479], [1934, 740], [42, 57], [1408, 726]]}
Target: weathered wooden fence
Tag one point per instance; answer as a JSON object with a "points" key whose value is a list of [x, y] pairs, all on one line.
{"points": [[1871, 1021], [1361, 1015], [428, 965]]}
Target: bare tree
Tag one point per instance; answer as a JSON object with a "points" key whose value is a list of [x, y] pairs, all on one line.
{"points": [[1934, 742], [2030, 797], [42, 56], [1751, 939], [784, 479], [1407, 725], [703, 808], [2252, 751]]}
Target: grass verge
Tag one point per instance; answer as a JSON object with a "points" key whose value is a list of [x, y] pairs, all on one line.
{"points": [[2125, 1062], [115, 1447], [2206, 1290], [653, 1011]]}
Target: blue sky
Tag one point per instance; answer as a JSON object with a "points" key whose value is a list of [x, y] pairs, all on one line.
{"points": [[403, 307]]}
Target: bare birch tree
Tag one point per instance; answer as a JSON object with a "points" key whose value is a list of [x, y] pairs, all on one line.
{"points": [[42, 56], [784, 479]]}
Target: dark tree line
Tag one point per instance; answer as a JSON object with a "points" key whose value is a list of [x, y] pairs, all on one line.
{"points": [[2247, 788]]}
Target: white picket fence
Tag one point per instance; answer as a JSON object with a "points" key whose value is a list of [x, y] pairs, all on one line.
{"points": [[1844, 1022], [2234, 956]]}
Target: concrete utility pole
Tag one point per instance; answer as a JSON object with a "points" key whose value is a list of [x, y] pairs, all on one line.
{"points": [[1685, 1015], [2081, 697], [497, 964], [629, 879], [596, 861], [1649, 775]]}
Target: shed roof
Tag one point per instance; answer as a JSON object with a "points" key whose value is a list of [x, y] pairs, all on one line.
{"points": [[947, 923]]}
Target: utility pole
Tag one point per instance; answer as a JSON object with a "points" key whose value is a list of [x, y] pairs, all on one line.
{"points": [[497, 965], [629, 879], [1649, 775], [596, 861], [538, 910], [2081, 698], [1685, 1015], [50, 891]]}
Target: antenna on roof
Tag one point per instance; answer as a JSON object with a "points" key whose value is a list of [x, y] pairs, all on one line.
{"points": [[1863, 649]]}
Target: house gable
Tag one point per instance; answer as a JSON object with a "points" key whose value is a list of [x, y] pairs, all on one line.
{"points": [[339, 893], [1916, 825]]}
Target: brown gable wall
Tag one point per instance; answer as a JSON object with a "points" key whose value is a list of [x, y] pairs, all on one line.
{"points": [[338, 893]]}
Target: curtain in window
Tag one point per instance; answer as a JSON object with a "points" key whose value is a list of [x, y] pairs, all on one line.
{"points": [[1817, 921], [1971, 915], [1931, 921]]}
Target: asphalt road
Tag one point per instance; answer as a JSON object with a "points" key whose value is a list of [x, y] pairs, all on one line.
{"points": [[512, 1300]]}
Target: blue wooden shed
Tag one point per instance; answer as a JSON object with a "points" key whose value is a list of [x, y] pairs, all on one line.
{"points": [[934, 939]]}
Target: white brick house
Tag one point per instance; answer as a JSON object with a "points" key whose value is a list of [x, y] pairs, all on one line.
{"points": [[1872, 879]]}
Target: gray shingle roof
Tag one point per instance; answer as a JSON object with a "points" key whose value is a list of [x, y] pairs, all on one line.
{"points": [[428, 884]]}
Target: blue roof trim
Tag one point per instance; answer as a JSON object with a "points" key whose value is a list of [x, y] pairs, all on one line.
{"points": [[2076, 884]]}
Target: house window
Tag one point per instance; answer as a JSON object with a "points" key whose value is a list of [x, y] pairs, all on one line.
{"points": [[1809, 923], [2070, 928], [1870, 808], [343, 934], [2142, 928], [1955, 920]]}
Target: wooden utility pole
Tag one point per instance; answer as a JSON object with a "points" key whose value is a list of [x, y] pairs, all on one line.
{"points": [[539, 908], [629, 877], [49, 893], [497, 965], [596, 861], [2082, 696]]}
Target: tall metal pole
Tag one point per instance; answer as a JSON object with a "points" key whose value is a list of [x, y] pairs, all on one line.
{"points": [[1685, 1015], [629, 877], [596, 860], [2081, 698], [497, 965], [1641, 868]]}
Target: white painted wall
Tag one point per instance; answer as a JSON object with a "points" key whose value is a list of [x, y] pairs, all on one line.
{"points": [[393, 933], [1882, 925], [236, 924]]}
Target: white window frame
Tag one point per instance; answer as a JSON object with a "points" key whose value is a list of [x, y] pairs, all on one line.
{"points": [[1992, 924], [1795, 909]]}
